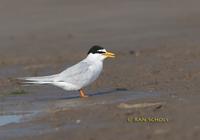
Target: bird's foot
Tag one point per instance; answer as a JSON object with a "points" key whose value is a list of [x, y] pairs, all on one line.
{"points": [[82, 94]]}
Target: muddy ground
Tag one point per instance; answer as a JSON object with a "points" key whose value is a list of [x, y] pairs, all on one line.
{"points": [[155, 74]]}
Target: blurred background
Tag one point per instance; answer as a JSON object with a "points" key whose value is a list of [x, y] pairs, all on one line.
{"points": [[52, 34], [157, 46], [48, 29]]}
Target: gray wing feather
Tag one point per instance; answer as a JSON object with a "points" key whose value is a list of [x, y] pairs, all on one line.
{"points": [[75, 74]]}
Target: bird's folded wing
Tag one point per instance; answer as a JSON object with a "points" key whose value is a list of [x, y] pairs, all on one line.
{"points": [[78, 71]]}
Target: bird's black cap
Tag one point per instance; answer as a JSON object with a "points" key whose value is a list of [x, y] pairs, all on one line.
{"points": [[95, 49]]}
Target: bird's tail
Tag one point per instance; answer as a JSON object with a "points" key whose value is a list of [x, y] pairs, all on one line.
{"points": [[37, 80]]}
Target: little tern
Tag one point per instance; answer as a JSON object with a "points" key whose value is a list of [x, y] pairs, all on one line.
{"points": [[78, 76]]}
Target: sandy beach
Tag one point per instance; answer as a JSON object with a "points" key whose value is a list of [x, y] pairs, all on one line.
{"points": [[154, 76]]}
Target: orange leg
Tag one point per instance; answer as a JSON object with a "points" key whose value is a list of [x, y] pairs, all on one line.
{"points": [[82, 94]]}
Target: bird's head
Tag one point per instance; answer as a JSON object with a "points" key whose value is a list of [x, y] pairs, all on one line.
{"points": [[98, 52]]}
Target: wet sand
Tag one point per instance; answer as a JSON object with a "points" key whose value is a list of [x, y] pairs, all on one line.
{"points": [[155, 74]]}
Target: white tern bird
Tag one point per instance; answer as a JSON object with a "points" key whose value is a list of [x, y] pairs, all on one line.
{"points": [[79, 75]]}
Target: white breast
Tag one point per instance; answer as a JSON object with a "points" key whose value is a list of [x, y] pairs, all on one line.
{"points": [[95, 70]]}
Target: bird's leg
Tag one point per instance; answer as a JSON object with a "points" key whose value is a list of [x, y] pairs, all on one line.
{"points": [[82, 94]]}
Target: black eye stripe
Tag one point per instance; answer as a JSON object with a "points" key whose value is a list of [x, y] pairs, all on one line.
{"points": [[96, 49], [100, 52]]}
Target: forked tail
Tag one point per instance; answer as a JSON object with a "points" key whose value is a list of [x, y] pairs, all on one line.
{"points": [[38, 80]]}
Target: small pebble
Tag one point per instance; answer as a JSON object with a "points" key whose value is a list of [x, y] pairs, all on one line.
{"points": [[78, 121], [137, 53]]}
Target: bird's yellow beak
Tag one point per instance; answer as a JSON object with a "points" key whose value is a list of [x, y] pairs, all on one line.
{"points": [[109, 54]]}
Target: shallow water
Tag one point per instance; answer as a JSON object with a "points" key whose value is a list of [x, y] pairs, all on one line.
{"points": [[6, 119], [14, 108], [48, 101]]}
